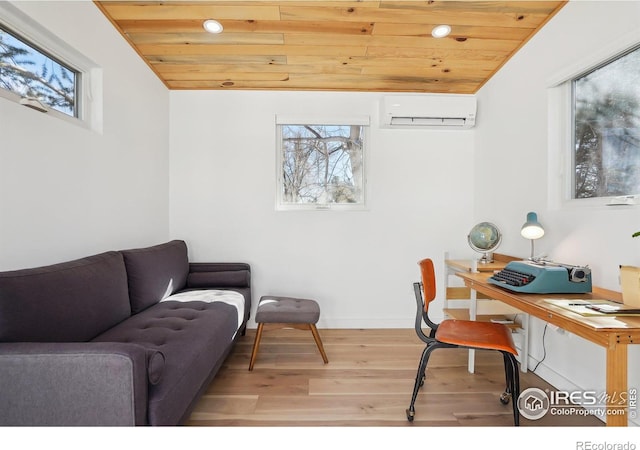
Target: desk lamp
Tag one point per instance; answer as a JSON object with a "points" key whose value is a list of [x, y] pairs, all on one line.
{"points": [[532, 229]]}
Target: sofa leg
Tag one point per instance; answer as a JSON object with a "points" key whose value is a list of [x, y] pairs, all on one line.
{"points": [[256, 345]]}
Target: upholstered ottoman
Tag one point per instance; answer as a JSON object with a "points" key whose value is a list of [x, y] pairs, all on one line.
{"points": [[287, 312]]}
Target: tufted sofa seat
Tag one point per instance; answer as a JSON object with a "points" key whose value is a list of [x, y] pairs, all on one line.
{"points": [[189, 337], [129, 337]]}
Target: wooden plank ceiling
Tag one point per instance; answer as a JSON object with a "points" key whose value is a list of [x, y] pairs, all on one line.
{"points": [[328, 45]]}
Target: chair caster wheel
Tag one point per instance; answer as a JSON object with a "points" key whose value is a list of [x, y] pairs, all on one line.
{"points": [[505, 397], [410, 414]]}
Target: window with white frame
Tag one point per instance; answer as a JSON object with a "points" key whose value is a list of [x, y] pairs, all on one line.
{"points": [[34, 74], [40, 70], [606, 128], [321, 163]]}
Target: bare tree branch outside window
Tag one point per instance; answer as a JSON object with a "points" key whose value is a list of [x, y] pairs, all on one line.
{"points": [[322, 164], [607, 129]]}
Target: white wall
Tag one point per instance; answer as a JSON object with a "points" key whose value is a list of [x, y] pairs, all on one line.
{"points": [[67, 192], [515, 151], [359, 265]]}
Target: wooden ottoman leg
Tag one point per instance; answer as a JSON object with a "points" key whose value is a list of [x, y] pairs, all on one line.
{"points": [[256, 344], [316, 337]]}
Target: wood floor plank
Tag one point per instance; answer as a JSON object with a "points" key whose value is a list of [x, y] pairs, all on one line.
{"points": [[367, 383]]}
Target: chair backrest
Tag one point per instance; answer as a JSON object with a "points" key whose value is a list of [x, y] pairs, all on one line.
{"points": [[425, 293], [428, 282]]}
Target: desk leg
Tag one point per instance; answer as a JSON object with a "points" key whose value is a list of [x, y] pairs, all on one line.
{"points": [[524, 358], [472, 360], [617, 384], [473, 312]]}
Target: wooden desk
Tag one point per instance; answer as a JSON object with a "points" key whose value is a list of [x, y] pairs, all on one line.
{"points": [[615, 334]]}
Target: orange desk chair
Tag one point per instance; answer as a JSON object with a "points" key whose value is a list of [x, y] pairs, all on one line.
{"points": [[469, 334]]}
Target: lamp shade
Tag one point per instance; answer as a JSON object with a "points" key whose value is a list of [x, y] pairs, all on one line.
{"points": [[532, 228]]}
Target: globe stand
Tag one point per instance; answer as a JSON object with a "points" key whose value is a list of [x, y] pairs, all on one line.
{"points": [[487, 258]]}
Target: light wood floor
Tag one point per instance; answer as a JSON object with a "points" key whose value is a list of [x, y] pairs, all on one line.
{"points": [[368, 382]]}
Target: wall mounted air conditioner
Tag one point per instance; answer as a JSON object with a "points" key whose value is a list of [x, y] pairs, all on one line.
{"points": [[438, 111]]}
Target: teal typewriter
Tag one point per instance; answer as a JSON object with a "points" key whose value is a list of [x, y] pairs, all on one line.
{"points": [[543, 277]]}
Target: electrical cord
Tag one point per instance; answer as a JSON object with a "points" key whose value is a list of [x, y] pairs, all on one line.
{"points": [[544, 348]]}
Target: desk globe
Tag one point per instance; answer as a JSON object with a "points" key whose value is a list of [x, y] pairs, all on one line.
{"points": [[484, 238]]}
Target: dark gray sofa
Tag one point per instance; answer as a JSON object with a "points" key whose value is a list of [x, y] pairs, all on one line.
{"points": [[129, 337]]}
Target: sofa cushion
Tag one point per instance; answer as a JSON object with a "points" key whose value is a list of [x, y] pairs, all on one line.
{"points": [[155, 273], [65, 302], [194, 338]]}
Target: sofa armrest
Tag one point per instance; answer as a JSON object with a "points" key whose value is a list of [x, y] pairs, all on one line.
{"points": [[223, 275], [63, 384], [235, 275]]}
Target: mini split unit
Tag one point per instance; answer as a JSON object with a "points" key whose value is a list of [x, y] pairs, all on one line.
{"points": [[439, 111]]}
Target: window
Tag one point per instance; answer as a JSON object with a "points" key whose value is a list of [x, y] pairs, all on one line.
{"points": [[606, 129], [34, 74], [36, 63], [321, 164]]}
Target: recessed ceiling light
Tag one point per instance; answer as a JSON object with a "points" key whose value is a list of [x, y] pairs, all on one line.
{"points": [[212, 26], [441, 31]]}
